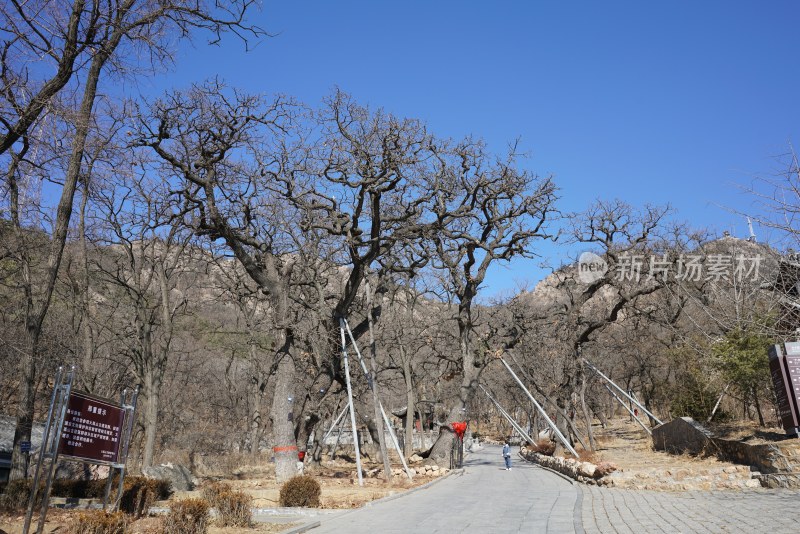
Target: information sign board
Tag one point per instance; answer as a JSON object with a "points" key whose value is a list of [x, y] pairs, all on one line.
{"points": [[92, 429], [784, 364]]}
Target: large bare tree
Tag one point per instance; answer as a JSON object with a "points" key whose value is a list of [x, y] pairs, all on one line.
{"points": [[485, 211], [90, 38]]}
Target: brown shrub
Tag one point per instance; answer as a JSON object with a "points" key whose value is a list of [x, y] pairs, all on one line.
{"points": [[187, 516], [546, 447], [301, 490], [233, 507], [16, 493], [78, 489], [98, 522], [213, 490], [139, 494]]}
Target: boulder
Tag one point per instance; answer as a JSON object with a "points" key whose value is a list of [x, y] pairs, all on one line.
{"points": [[179, 477], [681, 435], [587, 469]]}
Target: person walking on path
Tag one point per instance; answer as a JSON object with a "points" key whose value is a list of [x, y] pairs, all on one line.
{"points": [[507, 455]]}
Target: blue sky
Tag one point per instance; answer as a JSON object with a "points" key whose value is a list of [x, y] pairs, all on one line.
{"points": [[660, 102]]}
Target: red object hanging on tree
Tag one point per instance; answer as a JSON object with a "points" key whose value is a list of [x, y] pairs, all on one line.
{"points": [[459, 427]]}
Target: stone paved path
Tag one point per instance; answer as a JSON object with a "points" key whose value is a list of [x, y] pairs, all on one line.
{"points": [[487, 498]]}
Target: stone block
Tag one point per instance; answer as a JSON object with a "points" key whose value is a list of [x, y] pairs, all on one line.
{"points": [[179, 477], [681, 435], [587, 469]]}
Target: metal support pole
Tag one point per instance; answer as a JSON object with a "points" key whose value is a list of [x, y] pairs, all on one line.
{"points": [[555, 406], [350, 401], [42, 449], [633, 414], [338, 437], [550, 422], [52, 444], [130, 415], [395, 441], [637, 403], [333, 425], [510, 419]]}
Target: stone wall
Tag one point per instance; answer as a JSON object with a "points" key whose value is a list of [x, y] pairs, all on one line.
{"points": [[775, 464], [585, 472]]}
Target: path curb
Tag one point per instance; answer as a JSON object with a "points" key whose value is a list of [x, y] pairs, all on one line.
{"points": [[302, 528]]}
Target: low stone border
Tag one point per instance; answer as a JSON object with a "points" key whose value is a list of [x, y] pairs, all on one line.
{"points": [[302, 528], [585, 472]]}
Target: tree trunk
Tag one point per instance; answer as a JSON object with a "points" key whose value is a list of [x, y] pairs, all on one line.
{"points": [[584, 408], [441, 451], [255, 415], [25, 408], [257, 388], [282, 414], [87, 376], [758, 407], [151, 390], [34, 314], [408, 442], [373, 383], [563, 424]]}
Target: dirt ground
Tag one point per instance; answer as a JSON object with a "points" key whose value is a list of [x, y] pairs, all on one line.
{"points": [[625, 442], [338, 480], [58, 521]]}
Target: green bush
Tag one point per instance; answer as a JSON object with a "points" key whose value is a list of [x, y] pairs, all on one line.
{"points": [[233, 507], [98, 522], [301, 490], [187, 516]]}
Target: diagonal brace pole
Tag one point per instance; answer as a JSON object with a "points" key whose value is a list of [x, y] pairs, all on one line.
{"points": [[510, 419], [633, 400], [333, 425], [350, 402], [550, 422], [622, 402], [395, 442]]}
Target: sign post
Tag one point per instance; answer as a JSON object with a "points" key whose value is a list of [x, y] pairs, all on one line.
{"points": [[84, 428], [92, 429], [49, 449]]}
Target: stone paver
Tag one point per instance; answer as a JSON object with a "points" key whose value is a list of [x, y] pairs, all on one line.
{"points": [[487, 498]]}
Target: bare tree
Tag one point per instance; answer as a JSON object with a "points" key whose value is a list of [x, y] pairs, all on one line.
{"points": [[484, 212], [198, 136], [148, 261], [95, 36], [622, 237]]}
